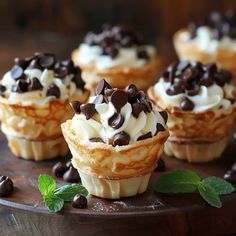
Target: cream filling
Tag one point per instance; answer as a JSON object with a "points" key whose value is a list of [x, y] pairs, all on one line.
{"points": [[127, 57], [208, 97], [205, 43], [38, 97], [135, 127]]}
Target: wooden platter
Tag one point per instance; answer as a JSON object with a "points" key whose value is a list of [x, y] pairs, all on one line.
{"points": [[148, 214]]}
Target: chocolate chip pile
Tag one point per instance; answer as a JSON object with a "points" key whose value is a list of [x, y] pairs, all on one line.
{"points": [[221, 25], [119, 97], [42, 61], [6, 186], [114, 37], [187, 77]]}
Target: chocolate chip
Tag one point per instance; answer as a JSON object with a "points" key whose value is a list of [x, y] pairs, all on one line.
{"points": [[116, 121], [101, 86], [193, 90], [145, 136], [186, 104], [132, 92], [34, 64], [206, 80], [59, 169], [96, 140], [119, 98], [47, 60], [21, 62], [2, 90], [137, 108], [164, 115], [142, 54], [230, 176], [183, 65], [71, 175], [53, 90], [20, 86], [17, 72], [160, 128], [68, 164], [78, 80], [190, 74], [88, 110], [6, 186], [99, 99], [141, 96], [34, 84], [108, 92], [79, 201], [220, 80], [120, 139], [111, 51], [126, 41], [61, 72], [69, 65], [174, 90], [76, 106], [161, 166]]}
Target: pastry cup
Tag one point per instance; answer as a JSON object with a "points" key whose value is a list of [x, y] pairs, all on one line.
{"points": [[120, 171], [189, 50], [118, 77], [196, 136], [33, 131]]}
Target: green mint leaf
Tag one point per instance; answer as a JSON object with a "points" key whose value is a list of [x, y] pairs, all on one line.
{"points": [[53, 203], [46, 184], [209, 195], [221, 186], [180, 181], [67, 192]]}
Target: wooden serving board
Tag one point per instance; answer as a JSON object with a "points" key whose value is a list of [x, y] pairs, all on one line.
{"points": [[148, 214]]}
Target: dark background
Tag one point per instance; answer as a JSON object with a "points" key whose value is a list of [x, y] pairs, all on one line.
{"points": [[59, 25]]}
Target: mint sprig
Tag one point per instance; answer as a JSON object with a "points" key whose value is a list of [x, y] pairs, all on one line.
{"points": [[186, 181], [53, 197]]}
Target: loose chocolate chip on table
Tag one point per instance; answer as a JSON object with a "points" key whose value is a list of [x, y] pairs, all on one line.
{"points": [[119, 98], [137, 108], [76, 106], [101, 87], [88, 110], [186, 104], [20, 86], [6, 186], [21, 62], [132, 92], [142, 54], [99, 99], [47, 60], [61, 72], [161, 166], [34, 84], [120, 139], [230, 176], [17, 72], [71, 175], [164, 115], [79, 201], [116, 121], [59, 169], [145, 136], [96, 140], [53, 90], [2, 89]]}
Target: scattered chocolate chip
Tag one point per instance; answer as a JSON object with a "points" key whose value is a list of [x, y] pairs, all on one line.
{"points": [[119, 98], [88, 110], [186, 104], [116, 121], [17, 72], [6, 186], [21, 62], [2, 90], [53, 90], [47, 60], [21, 86], [96, 140], [79, 201], [142, 54], [61, 72], [230, 176], [71, 175], [161, 166], [132, 92], [145, 136], [164, 115], [101, 86], [99, 99], [59, 169], [120, 139], [76, 106], [137, 108], [34, 84]]}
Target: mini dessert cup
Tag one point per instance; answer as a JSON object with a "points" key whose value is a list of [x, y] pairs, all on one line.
{"points": [[209, 44], [119, 55], [32, 111], [120, 166], [196, 135]]}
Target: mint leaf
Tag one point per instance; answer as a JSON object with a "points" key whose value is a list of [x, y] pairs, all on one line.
{"points": [[209, 194], [67, 192], [221, 186], [46, 184], [180, 181], [53, 203]]}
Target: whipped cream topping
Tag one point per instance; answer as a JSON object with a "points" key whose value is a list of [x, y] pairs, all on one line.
{"points": [[212, 97], [126, 58]]}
